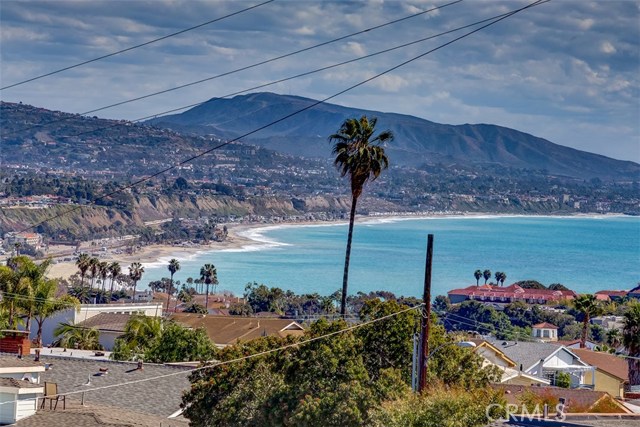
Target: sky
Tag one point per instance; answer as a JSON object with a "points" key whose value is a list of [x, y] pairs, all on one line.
{"points": [[566, 70]]}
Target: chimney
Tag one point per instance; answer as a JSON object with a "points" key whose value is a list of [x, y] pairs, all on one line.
{"points": [[15, 342]]}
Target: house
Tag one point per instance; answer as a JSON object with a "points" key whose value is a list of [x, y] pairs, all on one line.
{"points": [[613, 295], [611, 373], [229, 330], [511, 373], [20, 387], [545, 331], [110, 326], [546, 361], [498, 294], [24, 238], [609, 322], [87, 311]]}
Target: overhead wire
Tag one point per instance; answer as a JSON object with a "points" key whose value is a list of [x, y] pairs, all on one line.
{"points": [[287, 116], [257, 64], [136, 46]]}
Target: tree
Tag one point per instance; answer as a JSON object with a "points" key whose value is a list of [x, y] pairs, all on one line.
{"points": [[135, 273], [631, 341], [487, 275], [587, 305], [94, 268], [498, 276], [114, 271], [361, 156], [503, 277], [103, 267], [83, 265], [139, 334], [16, 287], [209, 275], [477, 274], [46, 304], [614, 338], [72, 336], [174, 265], [179, 344]]}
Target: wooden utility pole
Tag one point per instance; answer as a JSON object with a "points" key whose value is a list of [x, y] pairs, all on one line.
{"points": [[426, 314]]}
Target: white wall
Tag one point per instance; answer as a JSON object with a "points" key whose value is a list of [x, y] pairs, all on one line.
{"points": [[26, 405], [7, 411]]}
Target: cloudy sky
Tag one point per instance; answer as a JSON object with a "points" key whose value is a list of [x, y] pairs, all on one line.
{"points": [[567, 70]]}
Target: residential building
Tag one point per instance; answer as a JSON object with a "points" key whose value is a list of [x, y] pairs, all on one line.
{"points": [[613, 295], [573, 344], [23, 238], [511, 374], [545, 331], [20, 387], [498, 294], [611, 374], [228, 330], [110, 325], [87, 311], [546, 360]]}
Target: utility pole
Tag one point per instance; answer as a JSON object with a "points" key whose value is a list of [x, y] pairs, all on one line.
{"points": [[426, 314]]}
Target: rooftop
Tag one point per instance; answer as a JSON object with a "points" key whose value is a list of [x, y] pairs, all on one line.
{"points": [[227, 330], [526, 353], [545, 325], [113, 322], [605, 362]]}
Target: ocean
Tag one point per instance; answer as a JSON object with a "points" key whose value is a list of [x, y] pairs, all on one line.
{"points": [[586, 254]]}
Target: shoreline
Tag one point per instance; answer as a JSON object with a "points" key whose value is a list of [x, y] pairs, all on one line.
{"points": [[248, 236]]}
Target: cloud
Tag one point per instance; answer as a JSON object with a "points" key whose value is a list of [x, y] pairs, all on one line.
{"points": [[606, 47]]}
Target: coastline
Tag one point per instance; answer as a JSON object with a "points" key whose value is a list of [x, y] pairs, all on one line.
{"points": [[249, 236]]}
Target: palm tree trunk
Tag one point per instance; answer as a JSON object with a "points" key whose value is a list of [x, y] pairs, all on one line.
{"points": [[583, 336], [347, 257], [133, 297], [111, 289], [169, 293], [39, 334], [634, 371], [206, 299]]}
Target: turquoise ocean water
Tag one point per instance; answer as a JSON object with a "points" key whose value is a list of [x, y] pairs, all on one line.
{"points": [[586, 254]]}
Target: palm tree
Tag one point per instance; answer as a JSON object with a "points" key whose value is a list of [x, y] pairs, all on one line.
{"points": [[16, 287], [103, 268], [614, 338], [72, 336], [94, 267], [503, 277], [140, 331], [588, 306], [33, 275], [46, 304], [209, 275], [477, 274], [487, 275], [174, 265], [498, 275], [83, 265], [361, 156], [114, 270], [631, 341], [135, 273]]}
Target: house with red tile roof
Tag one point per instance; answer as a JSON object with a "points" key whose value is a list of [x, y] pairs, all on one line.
{"points": [[499, 294], [545, 331]]}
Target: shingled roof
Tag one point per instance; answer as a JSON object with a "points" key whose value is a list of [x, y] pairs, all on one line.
{"points": [[605, 362], [227, 330], [160, 396], [113, 322]]}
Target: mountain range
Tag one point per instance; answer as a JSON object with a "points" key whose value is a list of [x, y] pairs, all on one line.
{"points": [[418, 142]]}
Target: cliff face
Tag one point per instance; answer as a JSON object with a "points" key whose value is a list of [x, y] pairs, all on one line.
{"points": [[72, 220]]}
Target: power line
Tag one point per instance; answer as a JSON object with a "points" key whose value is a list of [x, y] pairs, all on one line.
{"points": [[136, 46], [228, 73], [281, 119], [239, 359]]}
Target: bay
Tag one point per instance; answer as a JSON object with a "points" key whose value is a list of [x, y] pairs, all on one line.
{"points": [[586, 254]]}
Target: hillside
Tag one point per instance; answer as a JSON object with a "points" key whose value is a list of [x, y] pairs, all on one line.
{"points": [[418, 141]]}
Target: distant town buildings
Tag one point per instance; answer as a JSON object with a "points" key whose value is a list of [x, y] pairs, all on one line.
{"points": [[32, 239], [498, 294]]}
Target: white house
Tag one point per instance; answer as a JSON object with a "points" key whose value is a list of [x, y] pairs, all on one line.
{"points": [[546, 361], [20, 388], [87, 311], [545, 331]]}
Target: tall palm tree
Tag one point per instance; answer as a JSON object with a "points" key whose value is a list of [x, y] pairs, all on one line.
{"points": [[631, 341], [487, 275], [360, 155], [135, 273], [477, 274], [103, 268], [589, 307], [34, 275], [503, 277], [209, 275], [498, 275], [94, 268], [83, 265], [114, 271], [16, 287], [174, 265]]}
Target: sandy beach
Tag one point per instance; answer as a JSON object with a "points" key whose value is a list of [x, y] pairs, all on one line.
{"points": [[238, 238]]}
